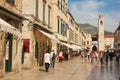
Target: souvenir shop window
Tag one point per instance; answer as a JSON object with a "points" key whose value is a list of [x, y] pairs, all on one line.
{"points": [[26, 45]]}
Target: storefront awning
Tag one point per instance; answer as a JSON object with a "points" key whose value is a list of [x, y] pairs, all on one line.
{"points": [[61, 37], [51, 36], [77, 47], [6, 27], [69, 46]]}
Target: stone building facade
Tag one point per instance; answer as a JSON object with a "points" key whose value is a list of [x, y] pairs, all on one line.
{"points": [[89, 41], [117, 38], [39, 15], [109, 41], [52, 18], [10, 35], [35, 27]]}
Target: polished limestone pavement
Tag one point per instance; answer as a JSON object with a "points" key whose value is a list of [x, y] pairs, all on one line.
{"points": [[69, 70]]}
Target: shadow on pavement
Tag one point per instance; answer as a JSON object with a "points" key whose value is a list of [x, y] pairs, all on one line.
{"points": [[42, 69]]}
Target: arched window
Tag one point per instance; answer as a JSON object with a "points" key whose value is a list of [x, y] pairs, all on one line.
{"points": [[101, 22]]}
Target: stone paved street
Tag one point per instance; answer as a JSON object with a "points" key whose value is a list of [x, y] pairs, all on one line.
{"points": [[69, 70]]}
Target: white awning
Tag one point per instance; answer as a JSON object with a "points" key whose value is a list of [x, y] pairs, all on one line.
{"points": [[6, 27], [77, 47], [61, 37], [51, 36], [69, 46]]}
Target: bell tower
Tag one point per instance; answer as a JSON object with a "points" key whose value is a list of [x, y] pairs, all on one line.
{"points": [[101, 32]]}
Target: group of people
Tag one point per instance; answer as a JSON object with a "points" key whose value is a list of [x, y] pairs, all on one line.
{"points": [[50, 58], [86, 56], [99, 56]]}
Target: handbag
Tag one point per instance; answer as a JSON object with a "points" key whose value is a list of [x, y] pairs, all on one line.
{"points": [[61, 57]]}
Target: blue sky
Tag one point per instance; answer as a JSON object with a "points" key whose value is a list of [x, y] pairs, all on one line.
{"points": [[87, 11]]}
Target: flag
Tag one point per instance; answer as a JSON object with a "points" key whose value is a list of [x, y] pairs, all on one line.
{"points": [[68, 25]]}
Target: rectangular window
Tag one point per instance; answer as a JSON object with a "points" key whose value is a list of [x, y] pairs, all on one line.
{"points": [[58, 24], [65, 30], [61, 5], [76, 38], [71, 35], [58, 2], [26, 45], [11, 1], [37, 8], [49, 16], [44, 11], [61, 27]]}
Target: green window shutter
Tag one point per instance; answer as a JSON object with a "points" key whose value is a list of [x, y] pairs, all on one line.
{"points": [[58, 25], [11, 1], [37, 8]]}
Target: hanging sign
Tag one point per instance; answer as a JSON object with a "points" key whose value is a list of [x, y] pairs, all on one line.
{"points": [[7, 51]]}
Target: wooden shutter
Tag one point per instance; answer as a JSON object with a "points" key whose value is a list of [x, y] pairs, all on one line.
{"points": [[26, 45]]}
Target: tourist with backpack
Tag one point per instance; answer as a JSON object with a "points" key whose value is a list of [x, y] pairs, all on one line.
{"points": [[53, 57]]}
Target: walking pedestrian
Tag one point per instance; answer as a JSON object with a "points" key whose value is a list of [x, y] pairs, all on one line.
{"points": [[117, 56], [101, 56], [107, 56], [96, 56], [88, 56], [92, 55], [47, 61], [53, 57], [60, 56], [111, 55]]}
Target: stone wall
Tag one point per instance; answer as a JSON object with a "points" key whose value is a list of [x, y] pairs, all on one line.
{"points": [[16, 7], [2, 48], [29, 57]]}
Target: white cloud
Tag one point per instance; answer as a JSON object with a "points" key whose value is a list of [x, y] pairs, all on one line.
{"points": [[87, 11], [112, 20]]}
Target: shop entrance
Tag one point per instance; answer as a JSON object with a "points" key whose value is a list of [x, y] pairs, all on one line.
{"points": [[8, 53]]}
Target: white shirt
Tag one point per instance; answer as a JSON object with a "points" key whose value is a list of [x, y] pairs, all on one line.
{"points": [[47, 58], [51, 54], [61, 53]]}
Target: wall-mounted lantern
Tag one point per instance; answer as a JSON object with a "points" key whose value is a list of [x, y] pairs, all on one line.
{"points": [[30, 26]]}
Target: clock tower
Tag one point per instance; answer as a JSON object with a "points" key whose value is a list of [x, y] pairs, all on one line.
{"points": [[101, 32]]}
